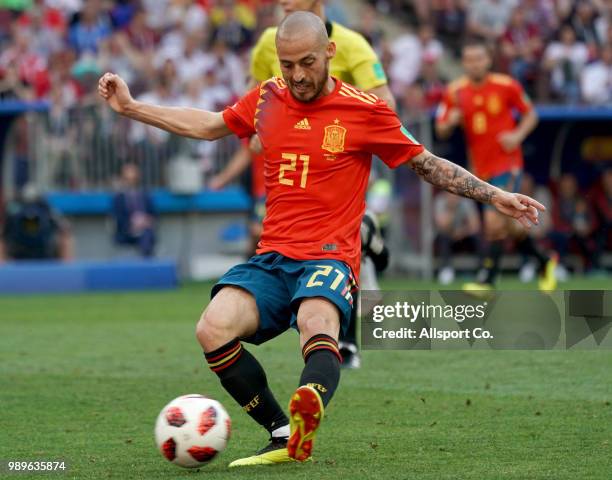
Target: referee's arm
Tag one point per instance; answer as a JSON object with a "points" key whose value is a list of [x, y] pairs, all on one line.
{"points": [[384, 93]]}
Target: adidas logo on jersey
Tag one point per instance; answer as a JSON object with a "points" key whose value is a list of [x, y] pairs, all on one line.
{"points": [[302, 125]]}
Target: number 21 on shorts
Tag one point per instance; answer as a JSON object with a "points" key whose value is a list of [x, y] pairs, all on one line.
{"points": [[326, 272]]}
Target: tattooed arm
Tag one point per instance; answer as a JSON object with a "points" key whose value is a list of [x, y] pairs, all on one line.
{"points": [[451, 177], [448, 176]]}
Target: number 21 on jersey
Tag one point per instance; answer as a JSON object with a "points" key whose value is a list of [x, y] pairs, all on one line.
{"points": [[285, 168]]}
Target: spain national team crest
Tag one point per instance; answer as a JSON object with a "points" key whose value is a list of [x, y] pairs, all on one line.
{"points": [[333, 141], [494, 104]]}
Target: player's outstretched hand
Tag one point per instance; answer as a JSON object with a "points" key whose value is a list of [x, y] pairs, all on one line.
{"points": [[115, 91], [523, 208]]}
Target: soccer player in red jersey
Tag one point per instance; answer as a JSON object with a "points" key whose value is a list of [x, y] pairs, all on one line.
{"points": [[318, 136], [484, 104], [356, 63]]}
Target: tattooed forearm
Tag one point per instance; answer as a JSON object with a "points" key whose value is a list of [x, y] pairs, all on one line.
{"points": [[449, 176]]}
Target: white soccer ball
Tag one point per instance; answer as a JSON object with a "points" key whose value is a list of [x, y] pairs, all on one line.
{"points": [[192, 430]]}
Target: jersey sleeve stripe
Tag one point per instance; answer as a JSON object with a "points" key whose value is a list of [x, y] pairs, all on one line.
{"points": [[369, 96], [347, 93]]}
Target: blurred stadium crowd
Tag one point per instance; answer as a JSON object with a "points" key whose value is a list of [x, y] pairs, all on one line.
{"points": [[560, 50], [196, 53], [56, 49]]}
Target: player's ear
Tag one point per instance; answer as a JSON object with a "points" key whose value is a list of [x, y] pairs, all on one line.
{"points": [[331, 50]]}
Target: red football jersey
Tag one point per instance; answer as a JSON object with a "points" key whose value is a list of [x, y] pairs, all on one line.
{"points": [[317, 164], [487, 111]]}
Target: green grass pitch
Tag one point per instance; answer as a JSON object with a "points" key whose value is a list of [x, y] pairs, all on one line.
{"points": [[82, 378]]}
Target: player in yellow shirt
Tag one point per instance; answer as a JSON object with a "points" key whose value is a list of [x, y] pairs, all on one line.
{"points": [[355, 63]]}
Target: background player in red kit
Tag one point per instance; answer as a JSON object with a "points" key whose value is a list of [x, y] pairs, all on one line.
{"points": [[318, 136], [484, 104]]}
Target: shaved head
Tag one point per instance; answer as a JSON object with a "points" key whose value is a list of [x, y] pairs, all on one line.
{"points": [[298, 25], [304, 52]]}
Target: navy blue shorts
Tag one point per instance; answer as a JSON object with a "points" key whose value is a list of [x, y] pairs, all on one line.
{"points": [[509, 181], [279, 284]]}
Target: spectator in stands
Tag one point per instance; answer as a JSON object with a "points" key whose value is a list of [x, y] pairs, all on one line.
{"points": [[596, 79], [12, 87], [168, 74], [190, 14], [405, 69], [412, 106], [93, 26], [234, 24], [228, 11], [564, 58], [603, 23], [211, 94], [573, 222], [59, 72], [20, 54], [156, 14], [521, 48], [228, 69], [192, 62], [335, 11], [266, 17], [194, 96], [449, 18], [122, 13], [33, 230], [423, 10], [216, 90], [67, 7], [133, 213], [582, 19], [458, 228], [117, 55], [21, 153], [142, 37], [153, 145], [46, 24], [431, 48], [84, 71], [488, 18], [608, 37], [371, 28], [431, 82], [61, 158], [541, 13]]}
